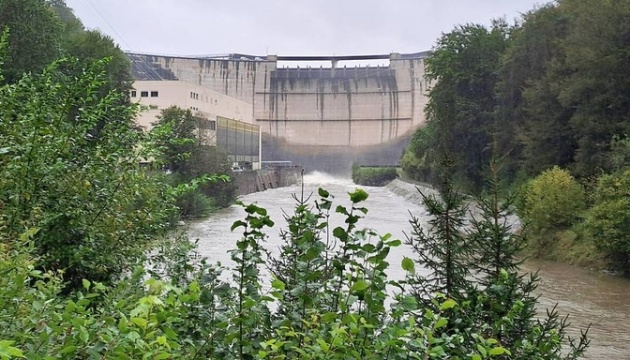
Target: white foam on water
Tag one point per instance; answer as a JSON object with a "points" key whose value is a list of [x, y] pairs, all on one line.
{"points": [[322, 178]]}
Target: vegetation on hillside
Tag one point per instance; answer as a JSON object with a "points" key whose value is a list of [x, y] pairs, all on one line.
{"points": [[547, 93]]}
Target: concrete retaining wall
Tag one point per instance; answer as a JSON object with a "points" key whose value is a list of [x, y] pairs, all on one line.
{"points": [[265, 179]]}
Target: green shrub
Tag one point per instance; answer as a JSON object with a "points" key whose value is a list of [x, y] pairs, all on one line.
{"points": [[333, 303], [194, 205], [608, 221], [552, 200], [373, 176], [69, 167]]}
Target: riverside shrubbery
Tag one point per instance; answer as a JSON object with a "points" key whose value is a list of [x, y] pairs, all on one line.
{"points": [[373, 176], [325, 301]]}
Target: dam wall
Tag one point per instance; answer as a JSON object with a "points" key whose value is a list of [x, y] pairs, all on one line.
{"points": [[343, 106], [336, 106]]}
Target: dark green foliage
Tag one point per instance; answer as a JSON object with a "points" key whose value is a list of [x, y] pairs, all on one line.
{"points": [[85, 194], [550, 90], [494, 234], [460, 121], [608, 221], [527, 99], [35, 36], [441, 248], [373, 176], [91, 45], [185, 156], [598, 84]]}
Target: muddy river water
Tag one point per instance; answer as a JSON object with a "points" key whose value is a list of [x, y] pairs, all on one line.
{"points": [[597, 299]]}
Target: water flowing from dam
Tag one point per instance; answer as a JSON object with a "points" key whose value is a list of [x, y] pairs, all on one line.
{"points": [[588, 297]]}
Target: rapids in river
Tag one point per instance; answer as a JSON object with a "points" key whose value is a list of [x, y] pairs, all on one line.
{"points": [[588, 297]]}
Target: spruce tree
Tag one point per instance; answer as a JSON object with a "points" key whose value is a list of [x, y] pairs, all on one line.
{"points": [[503, 301], [441, 248]]}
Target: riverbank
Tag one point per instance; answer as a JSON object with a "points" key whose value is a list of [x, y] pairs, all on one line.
{"points": [[562, 245]]}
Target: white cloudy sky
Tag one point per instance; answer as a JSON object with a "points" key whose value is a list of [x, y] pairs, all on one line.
{"points": [[286, 27]]}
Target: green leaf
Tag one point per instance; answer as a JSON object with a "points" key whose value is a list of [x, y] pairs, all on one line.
{"points": [[358, 195], [360, 285], [142, 323], [482, 350], [448, 304], [323, 193], [393, 243], [441, 323], [86, 284], [329, 317], [237, 224], [408, 265], [277, 284], [437, 351], [499, 351], [68, 350]]}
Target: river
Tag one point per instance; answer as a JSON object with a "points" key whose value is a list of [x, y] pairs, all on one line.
{"points": [[597, 299]]}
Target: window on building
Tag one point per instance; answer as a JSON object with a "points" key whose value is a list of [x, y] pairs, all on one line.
{"points": [[154, 94], [144, 94], [204, 124], [153, 107], [133, 93]]}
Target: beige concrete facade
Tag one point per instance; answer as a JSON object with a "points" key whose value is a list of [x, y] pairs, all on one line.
{"points": [[207, 105], [154, 96]]}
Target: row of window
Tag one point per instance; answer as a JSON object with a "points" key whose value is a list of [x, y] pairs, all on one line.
{"points": [[134, 93], [194, 95]]}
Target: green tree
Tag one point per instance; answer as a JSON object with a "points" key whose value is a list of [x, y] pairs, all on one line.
{"points": [[460, 112], [91, 45], [597, 85], [72, 24], [96, 211], [533, 127], [185, 153], [441, 248], [34, 37]]}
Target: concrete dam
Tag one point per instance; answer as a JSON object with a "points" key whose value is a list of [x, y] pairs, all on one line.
{"points": [[324, 118]]}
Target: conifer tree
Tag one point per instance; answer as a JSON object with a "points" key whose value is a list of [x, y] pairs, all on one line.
{"points": [[441, 248]]}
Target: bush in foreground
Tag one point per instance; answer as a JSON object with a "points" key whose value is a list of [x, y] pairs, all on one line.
{"points": [[325, 301]]}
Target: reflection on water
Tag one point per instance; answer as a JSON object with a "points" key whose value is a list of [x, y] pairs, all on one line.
{"points": [[589, 298]]}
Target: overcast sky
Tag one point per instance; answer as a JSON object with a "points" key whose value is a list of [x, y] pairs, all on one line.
{"points": [[286, 27]]}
